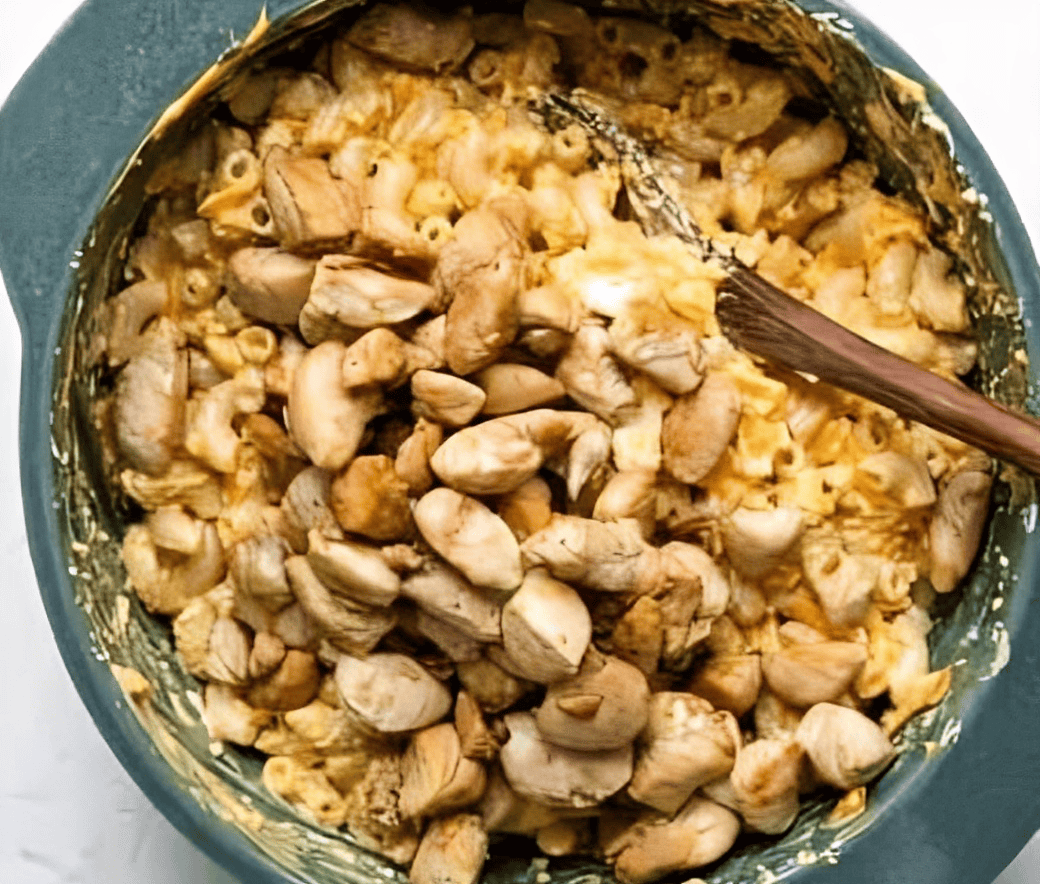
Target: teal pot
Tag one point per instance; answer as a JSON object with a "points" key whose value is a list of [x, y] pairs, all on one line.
{"points": [[963, 797]]}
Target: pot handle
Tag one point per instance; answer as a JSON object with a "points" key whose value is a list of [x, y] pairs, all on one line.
{"points": [[73, 119], [40, 197]]}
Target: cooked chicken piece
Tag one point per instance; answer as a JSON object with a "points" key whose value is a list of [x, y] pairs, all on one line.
{"points": [[305, 507], [685, 745], [656, 845], [613, 557], [292, 685], [757, 540], [381, 357], [228, 717], [451, 852], [211, 436], [956, 527], [445, 399], [309, 206], [494, 689], [413, 38], [166, 587], [510, 387], [325, 419], [730, 682], [558, 777], [475, 738], [212, 645], [317, 728], [565, 837], [663, 349], [606, 556], [391, 692], [349, 625], [470, 537], [270, 284], [371, 499], [374, 818], [527, 509], [447, 595], [266, 656], [545, 628], [499, 455], [453, 643], [845, 747], [479, 271], [503, 810], [149, 404], [604, 706], [413, 457], [806, 674], [185, 483], [765, 781], [895, 477], [436, 776], [353, 294], [592, 378], [352, 570], [304, 785], [843, 582], [638, 635], [700, 426], [629, 494]]}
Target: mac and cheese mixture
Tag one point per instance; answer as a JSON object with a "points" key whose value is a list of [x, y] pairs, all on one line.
{"points": [[463, 510]]}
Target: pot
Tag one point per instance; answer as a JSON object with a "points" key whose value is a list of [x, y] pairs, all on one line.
{"points": [[967, 776]]}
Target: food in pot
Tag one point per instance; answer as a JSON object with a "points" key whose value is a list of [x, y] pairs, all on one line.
{"points": [[462, 508]]}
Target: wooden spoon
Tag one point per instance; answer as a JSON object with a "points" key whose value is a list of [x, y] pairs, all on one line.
{"points": [[761, 319]]}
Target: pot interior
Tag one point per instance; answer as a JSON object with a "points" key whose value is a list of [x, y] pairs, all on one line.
{"points": [[977, 625]]}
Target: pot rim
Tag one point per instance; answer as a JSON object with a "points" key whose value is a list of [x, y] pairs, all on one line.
{"points": [[56, 167]]}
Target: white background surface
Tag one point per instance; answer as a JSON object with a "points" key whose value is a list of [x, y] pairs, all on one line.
{"points": [[69, 814]]}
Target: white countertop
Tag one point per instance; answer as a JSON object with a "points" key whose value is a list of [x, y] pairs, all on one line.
{"points": [[69, 814]]}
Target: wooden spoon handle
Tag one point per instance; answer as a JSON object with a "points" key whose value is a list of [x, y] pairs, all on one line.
{"points": [[762, 319]]}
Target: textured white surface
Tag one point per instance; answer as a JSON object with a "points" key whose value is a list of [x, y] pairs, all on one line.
{"points": [[69, 814]]}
